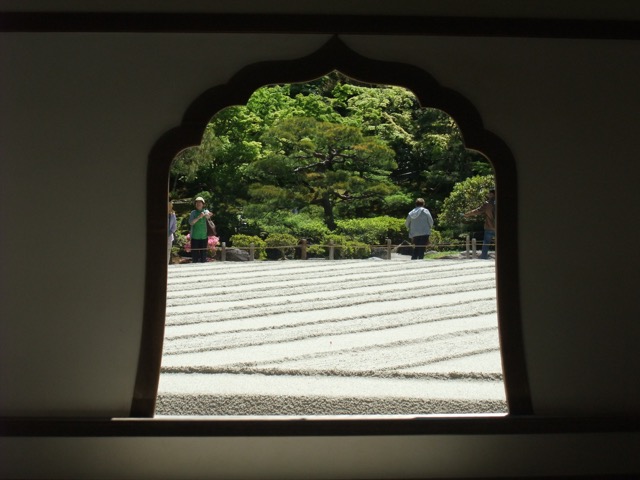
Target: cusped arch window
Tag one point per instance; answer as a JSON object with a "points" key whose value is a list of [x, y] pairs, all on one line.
{"points": [[334, 56]]}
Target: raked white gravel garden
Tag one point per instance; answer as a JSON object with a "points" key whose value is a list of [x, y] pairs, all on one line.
{"points": [[319, 337]]}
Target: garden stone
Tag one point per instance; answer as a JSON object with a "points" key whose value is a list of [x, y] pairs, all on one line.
{"points": [[235, 255]]}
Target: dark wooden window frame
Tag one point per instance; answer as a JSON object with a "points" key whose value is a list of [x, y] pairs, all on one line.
{"points": [[521, 419], [357, 24]]}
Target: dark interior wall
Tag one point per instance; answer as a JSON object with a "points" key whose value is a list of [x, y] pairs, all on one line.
{"points": [[76, 134], [563, 109], [79, 114], [80, 117]]}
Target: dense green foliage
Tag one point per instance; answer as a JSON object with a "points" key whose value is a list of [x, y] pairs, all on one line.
{"points": [[373, 231], [245, 241], [344, 247], [332, 158], [280, 245], [466, 195]]}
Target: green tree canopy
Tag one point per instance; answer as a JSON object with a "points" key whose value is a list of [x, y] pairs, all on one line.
{"points": [[311, 162], [466, 195], [333, 148]]}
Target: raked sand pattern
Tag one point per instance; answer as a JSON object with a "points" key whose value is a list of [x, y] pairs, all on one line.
{"points": [[319, 337]]}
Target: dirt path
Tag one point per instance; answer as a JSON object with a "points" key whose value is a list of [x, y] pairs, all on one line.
{"points": [[342, 337]]}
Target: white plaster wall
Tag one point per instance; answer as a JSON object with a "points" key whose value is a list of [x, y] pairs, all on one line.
{"points": [[78, 116]]}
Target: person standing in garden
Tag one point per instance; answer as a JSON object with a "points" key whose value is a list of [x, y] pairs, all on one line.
{"points": [[488, 210], [419, 223], [172, 225], [198, 221]]}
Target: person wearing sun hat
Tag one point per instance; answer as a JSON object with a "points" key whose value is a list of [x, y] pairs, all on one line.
{"points": [[198, 221]]}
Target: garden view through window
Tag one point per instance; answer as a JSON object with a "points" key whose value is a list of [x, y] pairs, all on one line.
{"points": [[309, 302]]}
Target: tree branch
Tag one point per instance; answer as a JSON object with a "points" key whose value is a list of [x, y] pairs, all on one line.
{"points": [[336, 158]]}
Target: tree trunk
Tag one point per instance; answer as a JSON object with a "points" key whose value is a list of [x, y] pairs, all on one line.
{"points": [[327, 205]]}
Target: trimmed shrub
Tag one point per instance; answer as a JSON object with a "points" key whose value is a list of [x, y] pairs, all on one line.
{"points": [[442, 243], [398, 203], [245, 241], [300, 225], [346, 247], [317, 251], [304, 226], [280, 240], [373, 231], [466, 195]]}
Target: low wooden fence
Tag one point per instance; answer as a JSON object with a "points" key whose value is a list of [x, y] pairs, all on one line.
{"points": [[388, 248]]}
